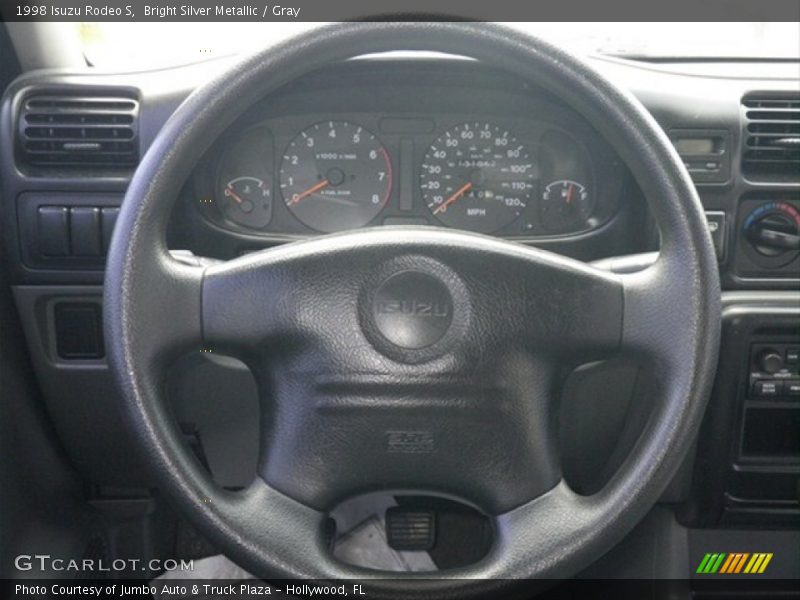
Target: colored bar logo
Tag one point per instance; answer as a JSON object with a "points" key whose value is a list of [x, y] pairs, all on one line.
{"points": [[734, 563]]}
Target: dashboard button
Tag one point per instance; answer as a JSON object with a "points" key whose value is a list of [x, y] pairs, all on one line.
{"points": [[108, 220], [84, 230], [53, 224], [717, 229], [767, 388], [792, 356], [791, 388]]}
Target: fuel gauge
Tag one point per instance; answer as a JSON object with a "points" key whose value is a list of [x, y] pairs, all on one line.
{"points": [[566, 206], [247, 201]]}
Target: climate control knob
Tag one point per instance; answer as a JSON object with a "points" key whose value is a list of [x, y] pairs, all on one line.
{"points": [[774, 234], [771, 234]]}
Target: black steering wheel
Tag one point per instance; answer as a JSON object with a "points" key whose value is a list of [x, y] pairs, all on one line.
{"points": [[415, 359]]}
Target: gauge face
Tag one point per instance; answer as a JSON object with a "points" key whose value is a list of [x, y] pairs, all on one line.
{"points": [[247, 201], [335, 175], [478, 177], [565, 205]]}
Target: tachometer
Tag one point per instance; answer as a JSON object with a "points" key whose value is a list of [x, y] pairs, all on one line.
{"points": [[335, 175], [477, 176]]}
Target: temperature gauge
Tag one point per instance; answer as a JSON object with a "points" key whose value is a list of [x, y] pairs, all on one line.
{"points": [[566, 206], [247, 201]]}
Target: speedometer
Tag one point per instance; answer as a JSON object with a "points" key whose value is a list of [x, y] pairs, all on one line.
{"points": [[335, 175], [477, 176]]}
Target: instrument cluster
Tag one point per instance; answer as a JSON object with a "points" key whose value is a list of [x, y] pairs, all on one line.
{"points": [[301, 175]]}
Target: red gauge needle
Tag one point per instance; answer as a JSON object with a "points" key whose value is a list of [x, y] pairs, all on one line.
{"points": [[569, 193], [231, 194], [460, 192], [315, 188]]}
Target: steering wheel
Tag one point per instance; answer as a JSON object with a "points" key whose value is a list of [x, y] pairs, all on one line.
{"points": [[411, 358]]}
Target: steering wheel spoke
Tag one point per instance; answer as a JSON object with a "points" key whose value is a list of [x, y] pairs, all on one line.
{"points": [[252, 303], [281, 530], [167, 309], [658, 318]]}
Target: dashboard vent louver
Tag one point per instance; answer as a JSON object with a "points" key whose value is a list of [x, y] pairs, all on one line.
{"points": [[772, 136], [79, 131]]}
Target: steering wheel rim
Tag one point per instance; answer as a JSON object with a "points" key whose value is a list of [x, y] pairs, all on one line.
{"points": [[670, 312]]}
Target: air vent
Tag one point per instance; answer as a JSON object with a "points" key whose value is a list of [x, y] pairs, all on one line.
{"points": [[772, 136], [79, 131]]}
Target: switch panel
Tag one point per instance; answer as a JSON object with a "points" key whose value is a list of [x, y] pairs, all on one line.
{"points": [[774, 371], [66, 230]]}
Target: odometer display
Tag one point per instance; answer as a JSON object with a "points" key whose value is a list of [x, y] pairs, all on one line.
{"points": [[477, 176], [335, 175]]}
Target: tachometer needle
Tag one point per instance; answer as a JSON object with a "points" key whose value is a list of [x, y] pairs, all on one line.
{"points": [[569, 193], [314, 188], [460, 192], [231, 194]]}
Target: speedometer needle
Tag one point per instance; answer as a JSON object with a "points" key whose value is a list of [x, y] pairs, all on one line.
{"points": [[460, 192], [314, 188]]}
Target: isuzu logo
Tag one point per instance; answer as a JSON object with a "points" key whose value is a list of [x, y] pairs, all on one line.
{"points": [[412, 309], [418, 308]]}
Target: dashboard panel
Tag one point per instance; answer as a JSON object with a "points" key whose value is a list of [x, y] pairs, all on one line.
{"points": [[408, 103], [325, 156], [407, 106]]}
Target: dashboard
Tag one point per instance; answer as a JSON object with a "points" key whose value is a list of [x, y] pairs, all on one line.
{"points": [[404, 140], [444, 142], [355, 149]]}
